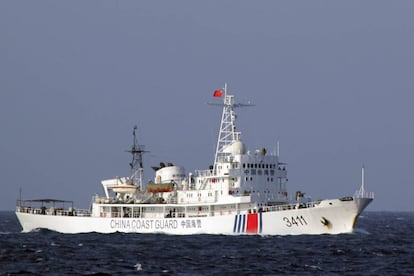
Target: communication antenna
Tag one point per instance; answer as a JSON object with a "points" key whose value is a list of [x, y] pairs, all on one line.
{"points": [[278, 149]]}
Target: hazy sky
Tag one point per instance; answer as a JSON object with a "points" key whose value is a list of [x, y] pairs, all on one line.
{"points": [[333, 81]]}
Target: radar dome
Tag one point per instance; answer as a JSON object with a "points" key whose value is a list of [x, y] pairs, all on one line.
{"points": [[237, 147]]}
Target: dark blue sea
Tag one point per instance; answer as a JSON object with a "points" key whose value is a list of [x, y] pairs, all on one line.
{"points": [[383, 244]]}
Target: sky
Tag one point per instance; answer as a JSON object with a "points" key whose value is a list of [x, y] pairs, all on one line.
{"points": [[332, 81]]}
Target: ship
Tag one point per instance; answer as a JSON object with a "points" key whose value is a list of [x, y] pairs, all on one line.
{"points": [[243, 192]]}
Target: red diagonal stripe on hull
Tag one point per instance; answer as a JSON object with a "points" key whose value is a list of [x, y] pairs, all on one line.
{"points": [[252, 223]]}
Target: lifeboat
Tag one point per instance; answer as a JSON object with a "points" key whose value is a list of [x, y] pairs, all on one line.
{"points": [[125, 188], [160, 188]]}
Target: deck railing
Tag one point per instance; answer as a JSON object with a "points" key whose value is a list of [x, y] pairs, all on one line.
{"points": [[364, 194], [50, 207], [117, 210]]}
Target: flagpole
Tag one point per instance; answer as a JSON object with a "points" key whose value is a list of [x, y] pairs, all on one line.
{"points": [[363, 179]]}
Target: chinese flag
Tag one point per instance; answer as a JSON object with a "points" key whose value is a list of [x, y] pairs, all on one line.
{"points": [[218, 93]]}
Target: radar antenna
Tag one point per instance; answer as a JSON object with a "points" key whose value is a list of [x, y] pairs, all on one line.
{"points": [[227, 134]]}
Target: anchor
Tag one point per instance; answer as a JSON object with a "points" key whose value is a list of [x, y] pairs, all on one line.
{"points": [[326, 222]]}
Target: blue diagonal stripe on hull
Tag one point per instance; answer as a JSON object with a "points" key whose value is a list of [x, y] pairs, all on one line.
{"points": [[260, 222], [235, 223]]}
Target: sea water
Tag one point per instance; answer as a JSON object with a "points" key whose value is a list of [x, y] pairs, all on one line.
{"points": [[382, 244]]}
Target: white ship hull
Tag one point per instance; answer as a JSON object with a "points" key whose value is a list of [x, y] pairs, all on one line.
{"points": [[328, 217]]}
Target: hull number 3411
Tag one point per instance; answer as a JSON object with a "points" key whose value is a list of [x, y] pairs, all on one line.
{"points": [[295, 221]]}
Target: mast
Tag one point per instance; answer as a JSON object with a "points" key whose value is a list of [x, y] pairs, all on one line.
{"points": [[227, 132], [136, 165]]}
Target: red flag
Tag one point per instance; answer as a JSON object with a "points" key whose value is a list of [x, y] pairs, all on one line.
{"points": [[218, 93]]}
